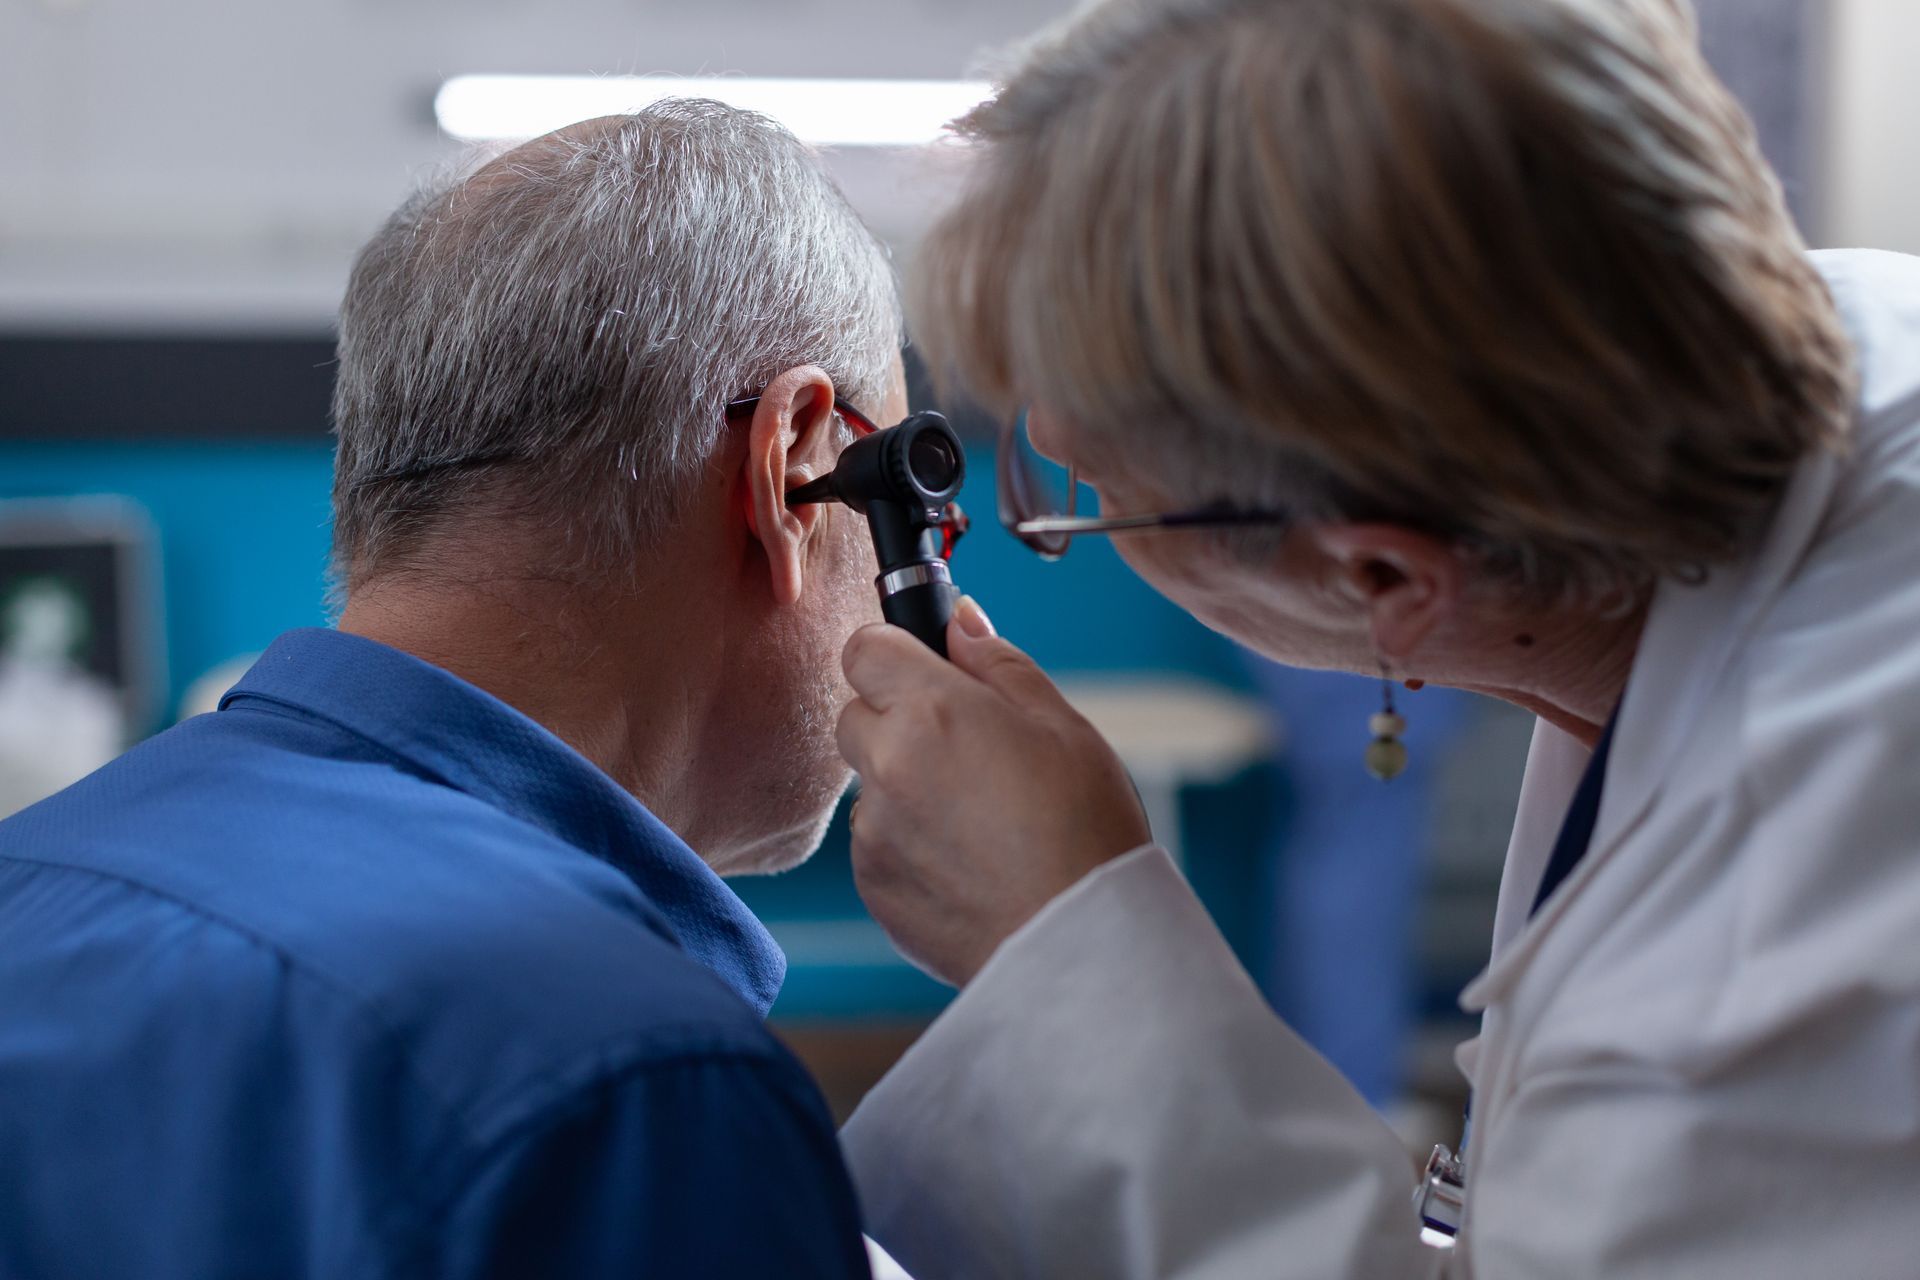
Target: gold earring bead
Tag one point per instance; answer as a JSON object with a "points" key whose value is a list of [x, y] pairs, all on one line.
{"points": [[1386, 754]]}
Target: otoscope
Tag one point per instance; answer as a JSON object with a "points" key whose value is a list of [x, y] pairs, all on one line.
{"points": [[903, 480]]}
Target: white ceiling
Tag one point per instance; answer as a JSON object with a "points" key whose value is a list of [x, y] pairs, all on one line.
{"points": [[214, 163]]}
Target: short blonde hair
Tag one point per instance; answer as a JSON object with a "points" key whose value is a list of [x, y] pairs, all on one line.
{"points": [[1511, 271]]}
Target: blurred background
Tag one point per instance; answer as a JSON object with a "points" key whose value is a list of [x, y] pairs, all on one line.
{"points": [[184, 186]]}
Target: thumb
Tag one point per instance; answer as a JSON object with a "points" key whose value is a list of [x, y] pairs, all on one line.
{"points": [[973, 647]]}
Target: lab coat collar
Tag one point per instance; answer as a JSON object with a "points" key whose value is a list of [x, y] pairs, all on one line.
{"points": [[446, 729], [1692, 634]]}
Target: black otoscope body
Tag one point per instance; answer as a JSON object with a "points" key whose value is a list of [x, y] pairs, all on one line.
{"points": [[904, 480]]}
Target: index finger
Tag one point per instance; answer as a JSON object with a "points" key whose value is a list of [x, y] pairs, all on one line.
{"points": [[884, 663]]}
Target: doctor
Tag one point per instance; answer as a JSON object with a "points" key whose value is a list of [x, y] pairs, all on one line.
{"points": [[1468, 342]]}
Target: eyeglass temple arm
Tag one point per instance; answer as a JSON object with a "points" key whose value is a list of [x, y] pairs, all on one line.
{"points": [[1089, 524], [1114, 524]]}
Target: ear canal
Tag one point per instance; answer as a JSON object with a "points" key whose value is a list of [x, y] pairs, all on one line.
{"points": [[820, 490]]}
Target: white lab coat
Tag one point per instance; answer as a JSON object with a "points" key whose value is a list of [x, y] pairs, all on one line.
{"points": [[1701, 1059]]}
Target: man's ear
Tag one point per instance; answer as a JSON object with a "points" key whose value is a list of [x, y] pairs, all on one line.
{"points": [[790, 441], [1407, 581]]}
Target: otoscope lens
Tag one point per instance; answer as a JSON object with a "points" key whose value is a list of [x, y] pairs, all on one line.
{"points": [[931, 459]]}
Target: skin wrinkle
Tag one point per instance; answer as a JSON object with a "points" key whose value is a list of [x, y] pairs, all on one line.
{"points": [[717, 714]]}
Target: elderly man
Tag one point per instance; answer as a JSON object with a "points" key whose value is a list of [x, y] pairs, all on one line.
{"points": [[404, 962]]}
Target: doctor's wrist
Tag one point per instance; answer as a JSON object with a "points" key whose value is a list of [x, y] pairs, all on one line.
{"points": [[1058, 910]]}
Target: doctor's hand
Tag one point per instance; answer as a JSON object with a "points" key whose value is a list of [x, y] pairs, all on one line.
{"points": [[983, 793]]}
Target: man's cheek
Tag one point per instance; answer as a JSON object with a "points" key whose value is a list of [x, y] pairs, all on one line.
{"points": [[861, 569]]}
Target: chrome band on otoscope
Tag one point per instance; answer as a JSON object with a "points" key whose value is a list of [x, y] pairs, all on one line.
{"points": [[914, 575]]}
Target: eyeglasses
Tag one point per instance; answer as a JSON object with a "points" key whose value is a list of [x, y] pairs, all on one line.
{"points": [[862, 425], [954, 522], [1039, 500]]}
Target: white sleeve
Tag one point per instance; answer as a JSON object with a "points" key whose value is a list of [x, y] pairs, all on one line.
{"points": [[1112, 1098]]}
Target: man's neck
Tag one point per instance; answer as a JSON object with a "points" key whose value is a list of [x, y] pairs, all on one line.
{"points": [[633, 707]]}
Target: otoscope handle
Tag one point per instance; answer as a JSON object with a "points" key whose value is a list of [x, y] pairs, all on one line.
{"points": [[920, 599]]}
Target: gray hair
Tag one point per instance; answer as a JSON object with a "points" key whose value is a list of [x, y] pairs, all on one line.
{"points": [[1512, 272], [554, 333]]}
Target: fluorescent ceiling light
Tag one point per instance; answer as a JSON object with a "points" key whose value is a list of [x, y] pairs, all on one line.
{"points": [[827, 113]]}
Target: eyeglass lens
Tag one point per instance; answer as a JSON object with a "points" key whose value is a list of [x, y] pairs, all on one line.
{"points": [[1034, 487]]}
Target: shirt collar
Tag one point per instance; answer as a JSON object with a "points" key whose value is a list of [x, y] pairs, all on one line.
{"points": [[475, 743]]}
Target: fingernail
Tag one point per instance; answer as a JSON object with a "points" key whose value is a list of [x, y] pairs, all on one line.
{"points": [[973, 619]]}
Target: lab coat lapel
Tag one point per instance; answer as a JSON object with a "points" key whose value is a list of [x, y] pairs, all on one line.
{"points": [[1691, 637]]}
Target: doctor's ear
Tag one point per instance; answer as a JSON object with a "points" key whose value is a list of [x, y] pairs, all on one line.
{"points": [[1408, 582], [790, 440]]}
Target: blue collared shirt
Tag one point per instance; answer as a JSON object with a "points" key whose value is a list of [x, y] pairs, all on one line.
{"points": [[370, 975]]}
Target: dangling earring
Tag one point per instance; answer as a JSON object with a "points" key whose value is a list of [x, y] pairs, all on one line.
{"points": [[1386, 754]]}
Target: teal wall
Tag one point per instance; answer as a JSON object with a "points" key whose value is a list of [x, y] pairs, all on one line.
{"points": [[243, 533]]}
